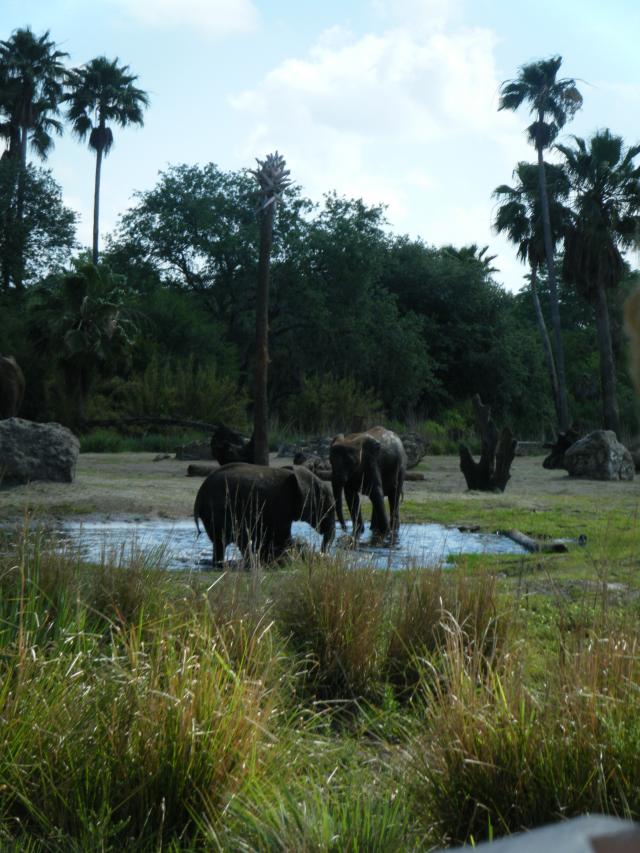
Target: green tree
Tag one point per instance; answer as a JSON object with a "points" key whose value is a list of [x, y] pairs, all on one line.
{"points": [[41, 241], [552, 102], [31, 87], [606, 205], [519, 216], [273, 179], [84, 321], [101, 93]]}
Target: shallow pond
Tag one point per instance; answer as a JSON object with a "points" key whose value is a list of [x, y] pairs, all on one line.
{"points": [[418, 544]]}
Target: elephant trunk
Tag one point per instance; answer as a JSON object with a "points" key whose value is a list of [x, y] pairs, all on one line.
{"points": [[379, 520], [337, 486]]}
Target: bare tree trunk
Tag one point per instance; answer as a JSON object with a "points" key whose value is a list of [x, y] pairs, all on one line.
{"points": [[553, 291], [610, 412], [492, 472], [260, 405], [96, 206], [18, 270], [546, 343]]}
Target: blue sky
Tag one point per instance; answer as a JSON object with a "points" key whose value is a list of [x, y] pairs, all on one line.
{"points": [[390, 100]]}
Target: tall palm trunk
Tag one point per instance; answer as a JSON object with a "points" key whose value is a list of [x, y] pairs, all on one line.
{"points": [[611, 416], [553, 291], [260, 411], [96, 205], [546, 343], [21, 189]]}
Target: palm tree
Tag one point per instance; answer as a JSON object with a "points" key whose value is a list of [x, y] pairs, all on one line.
{"points": [[606, 216], [31, 87], [84, 320], [552, 102], [102, 92], [272, 177], [519, 216]]}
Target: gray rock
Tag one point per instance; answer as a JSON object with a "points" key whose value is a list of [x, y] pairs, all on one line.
{"points": [[634, 450], [599, 456], [33, 451], [414, 446]]}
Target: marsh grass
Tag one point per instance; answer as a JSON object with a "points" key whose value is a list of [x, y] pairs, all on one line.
{"points": [[498, 756], [422, 608], [117, 724], [335, 614], [150, 710]]}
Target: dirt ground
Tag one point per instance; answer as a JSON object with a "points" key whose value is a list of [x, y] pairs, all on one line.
{"points": [[135, 486]]}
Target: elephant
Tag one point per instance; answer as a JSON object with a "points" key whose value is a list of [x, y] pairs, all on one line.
{"points": [[254, 506], [374, 463], [11, 387]]}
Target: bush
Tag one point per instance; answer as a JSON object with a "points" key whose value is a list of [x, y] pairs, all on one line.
{"points": [[172, 389], [423, 605], [335, 615], [325, 404], [111, 441], [498, 757]]}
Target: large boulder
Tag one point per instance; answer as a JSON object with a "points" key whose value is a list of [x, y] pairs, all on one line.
{"points": [[32, 451], [599, 456], [414, 446]]}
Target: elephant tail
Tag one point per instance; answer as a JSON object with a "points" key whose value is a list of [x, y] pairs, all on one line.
{"points": [[196, 514]]}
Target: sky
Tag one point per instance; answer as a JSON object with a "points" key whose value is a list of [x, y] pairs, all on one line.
{"points": [[391, 101]]}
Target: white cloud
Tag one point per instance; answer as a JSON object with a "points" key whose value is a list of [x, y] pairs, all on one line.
{"points": [[403, 117], [212, 17]]}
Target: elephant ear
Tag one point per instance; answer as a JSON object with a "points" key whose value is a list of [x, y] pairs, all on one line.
{"points": [[297, 491], [371, 447]]}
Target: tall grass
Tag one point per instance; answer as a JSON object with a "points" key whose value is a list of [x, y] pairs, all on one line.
{"points": [[335, 615], [121, 730], [147, 710], [497, 756]]}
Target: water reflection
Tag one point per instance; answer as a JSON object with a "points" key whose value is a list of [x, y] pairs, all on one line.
{"points": [[417, 544]]}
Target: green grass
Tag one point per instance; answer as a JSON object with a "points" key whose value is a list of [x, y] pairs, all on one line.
{"points": [[321, 708], [102, 440]]}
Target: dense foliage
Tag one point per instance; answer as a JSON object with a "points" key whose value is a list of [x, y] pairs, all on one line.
{"points": [[413, 330], [361, 320]]}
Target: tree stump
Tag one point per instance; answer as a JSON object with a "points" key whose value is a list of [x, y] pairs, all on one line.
{"points": [[228, 445], [492, 472]]}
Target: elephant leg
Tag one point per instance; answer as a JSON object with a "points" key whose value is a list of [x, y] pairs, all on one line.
{"points": [[219, 547], [353, 502], [379, 521]]}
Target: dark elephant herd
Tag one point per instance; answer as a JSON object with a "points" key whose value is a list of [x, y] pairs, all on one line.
{"points": [[254, 506]]}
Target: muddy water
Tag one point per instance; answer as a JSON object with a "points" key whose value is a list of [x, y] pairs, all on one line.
{"points": [[426, 545]]}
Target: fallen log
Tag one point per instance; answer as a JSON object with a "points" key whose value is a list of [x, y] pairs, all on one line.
{"points": [[555, 546]]}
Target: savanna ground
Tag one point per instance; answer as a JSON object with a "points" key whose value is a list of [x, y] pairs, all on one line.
{"points": [[318, 707]]}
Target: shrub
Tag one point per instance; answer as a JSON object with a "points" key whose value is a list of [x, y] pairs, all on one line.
{"points": [[325, 404], [498, 757], [117, 727], [335, 615], [169, 388], [422, 607]]}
